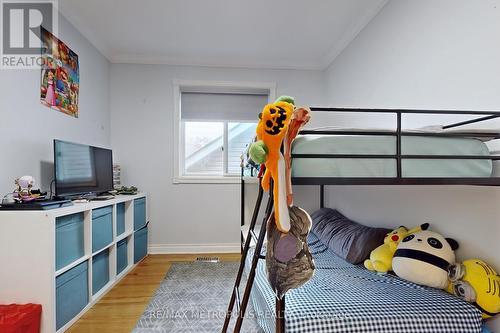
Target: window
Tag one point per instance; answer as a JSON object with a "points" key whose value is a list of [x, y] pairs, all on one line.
{"points": [[215, 129]]}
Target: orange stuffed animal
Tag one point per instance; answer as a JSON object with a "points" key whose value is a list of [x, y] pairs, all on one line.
{"points": [[271, 131]]}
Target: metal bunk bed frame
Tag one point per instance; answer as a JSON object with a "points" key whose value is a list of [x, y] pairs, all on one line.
{"points": [[241, 303]]}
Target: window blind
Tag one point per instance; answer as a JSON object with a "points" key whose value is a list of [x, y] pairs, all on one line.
{"points": [[221, 106]]}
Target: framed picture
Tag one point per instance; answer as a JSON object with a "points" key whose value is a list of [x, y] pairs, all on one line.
{"points": [[60, 77]]}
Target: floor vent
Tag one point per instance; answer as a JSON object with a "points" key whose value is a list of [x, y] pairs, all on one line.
{"points": [[208, 259]]}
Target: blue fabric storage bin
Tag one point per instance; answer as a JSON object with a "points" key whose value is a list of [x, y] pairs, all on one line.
{"points": [[102, 227], [100, 271], [69, 239], [72, 293], [139, 213], [120, 218], [121, 256], [140, 244]]}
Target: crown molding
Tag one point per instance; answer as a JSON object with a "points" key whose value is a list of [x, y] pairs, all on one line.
{"points": [[223, 63], [319, 65]]}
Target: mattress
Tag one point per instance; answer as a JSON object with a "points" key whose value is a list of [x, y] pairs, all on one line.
{"points": [[386, 145], [342, 297]]}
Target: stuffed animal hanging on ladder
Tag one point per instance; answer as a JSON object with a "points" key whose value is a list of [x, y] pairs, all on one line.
{"points": [[288, 260], [271, 131]]}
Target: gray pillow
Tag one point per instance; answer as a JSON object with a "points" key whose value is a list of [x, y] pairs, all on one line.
{"points": [[348, 239]]}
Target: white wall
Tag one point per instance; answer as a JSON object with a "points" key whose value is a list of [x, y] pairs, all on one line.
{"points": [[184, 217], [27, 127], [425, 54], [422, 54]]}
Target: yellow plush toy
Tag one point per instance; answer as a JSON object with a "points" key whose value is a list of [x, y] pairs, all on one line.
{"points": [[381, 258], [271, 130], [477, 282]]}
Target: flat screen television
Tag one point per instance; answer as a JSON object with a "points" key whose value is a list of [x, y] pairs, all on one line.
{"points": [[82, 170]]}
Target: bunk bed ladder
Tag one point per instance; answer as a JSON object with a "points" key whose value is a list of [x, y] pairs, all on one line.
{"points": [[241, 303]]}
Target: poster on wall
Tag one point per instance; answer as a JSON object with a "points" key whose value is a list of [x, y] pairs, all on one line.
{"points": [[60, 78]]}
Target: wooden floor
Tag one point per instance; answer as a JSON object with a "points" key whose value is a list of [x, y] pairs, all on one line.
{"points": [[119, 310]]}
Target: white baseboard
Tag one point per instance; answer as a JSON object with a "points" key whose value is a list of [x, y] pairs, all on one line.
{"points": [[194, 248]]}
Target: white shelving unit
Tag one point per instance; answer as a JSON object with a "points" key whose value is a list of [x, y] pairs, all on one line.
{"points": [[28, 255]]}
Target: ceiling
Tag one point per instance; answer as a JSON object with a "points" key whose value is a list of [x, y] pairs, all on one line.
{"points": [[291, 34]]}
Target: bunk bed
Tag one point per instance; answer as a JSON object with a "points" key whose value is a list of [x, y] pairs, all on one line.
{"points": [[333, 156]]}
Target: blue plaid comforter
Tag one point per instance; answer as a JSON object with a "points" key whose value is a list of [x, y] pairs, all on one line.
{"points": [[342, 297]]}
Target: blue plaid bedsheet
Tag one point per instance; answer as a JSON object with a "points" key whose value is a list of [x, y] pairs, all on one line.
{"points": [[342, 297]]}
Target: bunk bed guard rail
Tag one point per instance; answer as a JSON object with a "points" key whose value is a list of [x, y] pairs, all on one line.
{"points": [[398, 156]]}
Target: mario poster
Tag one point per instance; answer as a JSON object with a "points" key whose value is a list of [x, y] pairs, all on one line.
{"points": [[60, 78]]}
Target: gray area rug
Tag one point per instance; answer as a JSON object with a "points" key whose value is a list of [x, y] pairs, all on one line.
{"points": [[194, 297]]}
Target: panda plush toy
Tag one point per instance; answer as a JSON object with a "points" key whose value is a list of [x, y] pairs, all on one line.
{"points": [[424, 257]]}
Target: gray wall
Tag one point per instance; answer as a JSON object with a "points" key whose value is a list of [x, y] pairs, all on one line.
{"points": [[425, 54], [27, 127]]}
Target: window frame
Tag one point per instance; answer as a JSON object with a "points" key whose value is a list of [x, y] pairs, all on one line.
{"points": [[225, 146], [181, 86]]}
